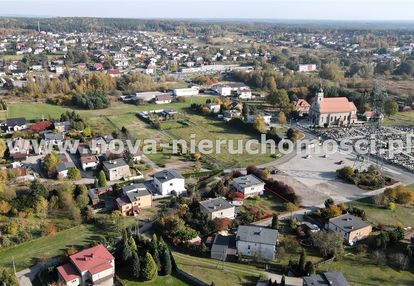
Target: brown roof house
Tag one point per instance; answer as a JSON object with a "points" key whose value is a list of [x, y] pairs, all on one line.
{"points": [[302, 107], [337, 111]]}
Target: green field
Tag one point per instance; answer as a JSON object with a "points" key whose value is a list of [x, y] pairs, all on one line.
{"points": [[159, 281], [403, 215], [31, 252], [214, 129], [400, 119], [124, 115], [221, 273], [360, 271]]}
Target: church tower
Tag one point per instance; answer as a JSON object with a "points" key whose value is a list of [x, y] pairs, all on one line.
{"points": [[320, 96]]}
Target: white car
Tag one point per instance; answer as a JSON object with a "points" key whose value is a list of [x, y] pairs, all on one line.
{"points": [[308, 156]]}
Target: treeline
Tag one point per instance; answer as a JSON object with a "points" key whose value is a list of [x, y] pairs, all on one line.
{"points": [[144, 259]]}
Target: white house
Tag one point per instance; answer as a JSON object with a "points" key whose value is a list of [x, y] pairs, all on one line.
{"points": [[307, 68], [244, 93], [89, 162], [169, 182], [256, 241], [223, 90], [217, 208], [214, 107], [186, 91], [249, 185]]}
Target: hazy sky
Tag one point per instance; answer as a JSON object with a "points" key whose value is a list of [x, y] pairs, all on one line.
{"points": [[227, 9]]}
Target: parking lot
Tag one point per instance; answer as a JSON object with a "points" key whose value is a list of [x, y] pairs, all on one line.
{"points": [[314, 177]]}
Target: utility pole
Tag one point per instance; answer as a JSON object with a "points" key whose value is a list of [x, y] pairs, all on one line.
{"points": [[14, 266]]}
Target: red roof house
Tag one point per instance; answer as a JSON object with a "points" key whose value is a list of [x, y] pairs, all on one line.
{"points": [[92, 266]]}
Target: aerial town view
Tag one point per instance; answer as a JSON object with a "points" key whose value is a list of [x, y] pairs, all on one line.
{"points": [[206, 142]]}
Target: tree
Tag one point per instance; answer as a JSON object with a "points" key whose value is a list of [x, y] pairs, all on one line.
{"points": [[302, 261], [309, 268], [74, 174], [50, 162], [136, 265], [149, 268], [331, 71], [41, 207], [281, 118], [283, 281], [390, 107], [166, 265], [126, 252], [5, 207], [102, 179], [275, 221], [329, 243], [7, 278], [132, 244], [260, 125], [3, 147]]}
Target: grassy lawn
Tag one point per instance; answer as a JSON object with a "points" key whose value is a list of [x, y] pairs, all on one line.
{"points": [[359, 270], [31, 252], [403, 215], [268, 203], [221, 273], [400, 119], [215, 129], [160, 281]]}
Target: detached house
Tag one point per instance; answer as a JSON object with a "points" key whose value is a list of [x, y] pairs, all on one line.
{"points": [[89, 162], [249, 185], [217, 208], [134, 198], [351, 227], [116, 169], [168, 182], [162, 99], [302, 107], [92, 266], [256, 241], [325, 279], [14, 124]]}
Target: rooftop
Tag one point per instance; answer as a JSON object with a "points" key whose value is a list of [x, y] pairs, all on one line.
{"points": [[257, 234], [112, 164], [326, 279], [215, 204], [91, 258], [167, 175], [348, 222], [248, 181]]}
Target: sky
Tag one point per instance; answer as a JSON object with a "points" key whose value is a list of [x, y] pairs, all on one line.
{"points": [[350, 10]]}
